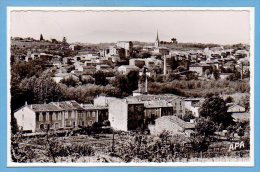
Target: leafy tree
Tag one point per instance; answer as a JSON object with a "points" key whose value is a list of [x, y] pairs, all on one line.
{"points": [[215, 109], [14, 126], [41, 38], [205, 127], [70, 81], [122, 54], [200, 143], [96, 127], [145, 55], [132, 80], [106, 123], [64, 40], [174, 40], [100, 78], [216, 74], [191, 75], [43, 89], [122, 84], [234, 77], [188, 116], [229, 99], [207, 73]]}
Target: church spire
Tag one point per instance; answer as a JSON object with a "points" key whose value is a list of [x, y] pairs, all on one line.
{"points": [[157, 37], [157, 41]]}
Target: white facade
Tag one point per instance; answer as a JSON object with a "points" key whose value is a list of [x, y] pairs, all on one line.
{"points": [[171, 124], [236, 108], [125, 69], [26, 119], [118, 111], [190, 105]]}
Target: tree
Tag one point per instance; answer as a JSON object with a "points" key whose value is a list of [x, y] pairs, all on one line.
{"points": [[174, 40], [234, 77], [41, 38], [100, 78], [14, 126], [216, 74], [205, 127], [70, 81], [215, 109], [42, 89], [200, 143], [188, 116], [122, 84], [190, 75], [207, 73], [64, 40], [132, 80], [122, 54], [229, 99]]}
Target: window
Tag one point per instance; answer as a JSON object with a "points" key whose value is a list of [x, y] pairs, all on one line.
{"points": [[47, 117], [59, 116], [72, 115], [44, 116], [54, 116], [82, 123], [93, 114], [40, 117], [69, 113], [66, 115], [88, 114]]}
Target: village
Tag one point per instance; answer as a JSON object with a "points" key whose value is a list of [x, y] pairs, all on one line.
{"points": [[192, 95]]}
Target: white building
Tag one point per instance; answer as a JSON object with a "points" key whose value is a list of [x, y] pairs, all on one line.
{"points": [[235, 108], [171, 124], [193, 105], [125, 69]]}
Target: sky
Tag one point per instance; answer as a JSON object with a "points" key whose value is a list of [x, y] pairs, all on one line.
{"points": [[220, 27]]}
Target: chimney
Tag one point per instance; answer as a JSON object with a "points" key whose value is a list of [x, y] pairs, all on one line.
{"points": [[146, 84], [26, 103], [164, 65]]}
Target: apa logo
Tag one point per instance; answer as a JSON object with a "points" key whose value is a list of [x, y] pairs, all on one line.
{"points": [[236, 145]]}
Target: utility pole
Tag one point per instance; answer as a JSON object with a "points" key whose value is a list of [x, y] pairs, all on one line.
{"points": [[146, 80], [113, 141], [242, 66]]}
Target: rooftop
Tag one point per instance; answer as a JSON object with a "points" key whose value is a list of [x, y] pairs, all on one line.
{"points": [[178, 121], [43, 107], [68, 105]]}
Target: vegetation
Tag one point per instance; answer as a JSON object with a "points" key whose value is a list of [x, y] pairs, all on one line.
{"points": [[215, 110]]}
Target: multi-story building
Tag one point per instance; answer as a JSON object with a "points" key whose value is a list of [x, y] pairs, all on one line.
{"points": [[126, 115], [37, 117], [58, 115]]}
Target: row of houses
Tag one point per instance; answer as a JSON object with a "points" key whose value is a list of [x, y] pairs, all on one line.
{"points": [[151, 112], [126, 114], [58, 115]]}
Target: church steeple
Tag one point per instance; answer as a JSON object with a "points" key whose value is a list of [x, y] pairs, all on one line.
{"points": [[157, 41]]}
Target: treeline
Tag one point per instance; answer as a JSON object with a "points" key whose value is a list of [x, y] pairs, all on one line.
{"points": [[32, 83], [198, 88]]}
